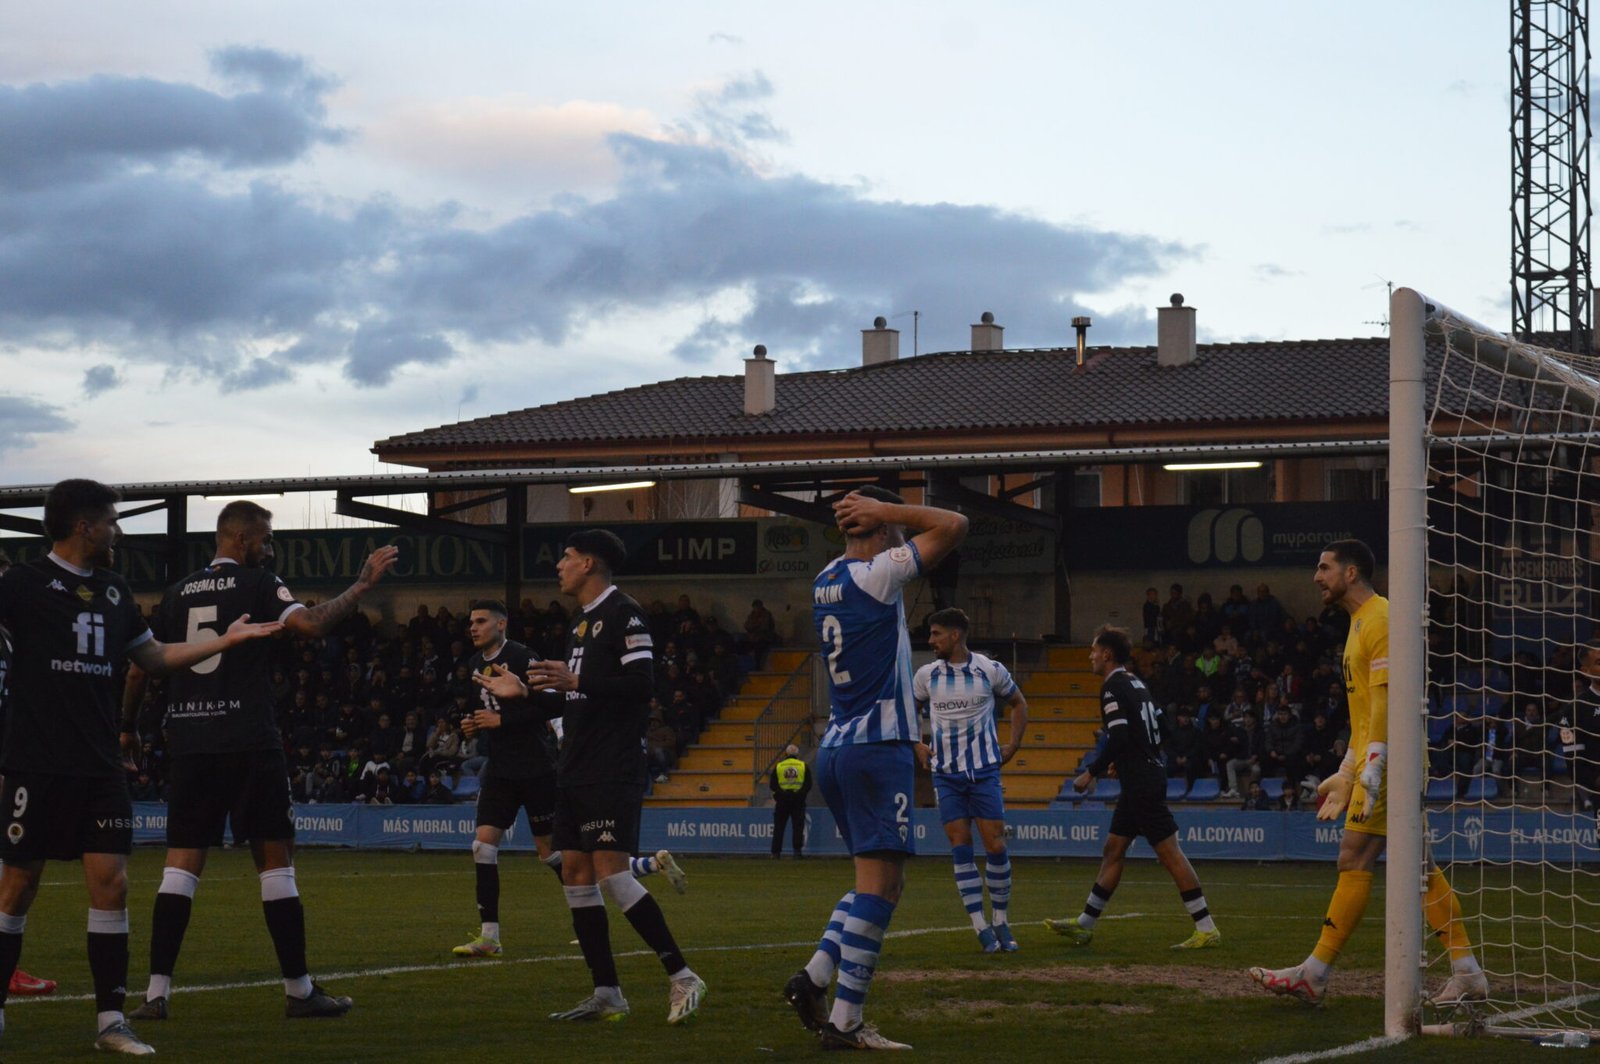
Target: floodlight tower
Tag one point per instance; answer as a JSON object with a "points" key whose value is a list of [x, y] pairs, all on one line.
{"points": [[1550, 170]]}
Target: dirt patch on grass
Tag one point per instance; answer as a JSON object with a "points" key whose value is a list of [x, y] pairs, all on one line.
{"points": [[974, 1010], [1206, 982]]}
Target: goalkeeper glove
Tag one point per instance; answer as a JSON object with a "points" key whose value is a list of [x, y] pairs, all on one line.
{"points": [[1372, 771], [1335, 792]]}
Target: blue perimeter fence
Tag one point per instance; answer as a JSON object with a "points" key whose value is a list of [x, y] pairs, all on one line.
{"points": [[1230, 835]]}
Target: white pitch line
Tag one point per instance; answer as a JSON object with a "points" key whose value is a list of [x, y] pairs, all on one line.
{"points": [[1339, 1051], [404, 969]]}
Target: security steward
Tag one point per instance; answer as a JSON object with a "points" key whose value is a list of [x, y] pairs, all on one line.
{"points": [[790, 782]]}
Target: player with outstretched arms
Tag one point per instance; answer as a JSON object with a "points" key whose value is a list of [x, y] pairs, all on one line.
{"points": [[1359, 789], [226, 762], [866, 760], [74, 623], [962, 692]]}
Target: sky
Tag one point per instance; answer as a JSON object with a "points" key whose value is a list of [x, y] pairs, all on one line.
{"points": [[250, 239]]}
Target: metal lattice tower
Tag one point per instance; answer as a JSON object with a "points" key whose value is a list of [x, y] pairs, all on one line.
{"points": [[1550, 169]]}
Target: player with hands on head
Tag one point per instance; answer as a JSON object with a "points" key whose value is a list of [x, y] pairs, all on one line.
{"points": [[866, 758], [1344, 579], [74, 623], [226, 763]]}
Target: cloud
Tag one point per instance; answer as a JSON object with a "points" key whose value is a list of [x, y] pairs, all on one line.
{"points": [[1271, 271], [135, 248], [724, 38], [101, 378], [87, 129], [512, 141], [22, 420]]}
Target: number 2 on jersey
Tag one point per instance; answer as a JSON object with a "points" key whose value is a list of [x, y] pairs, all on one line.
{"points": [[833, 633]]}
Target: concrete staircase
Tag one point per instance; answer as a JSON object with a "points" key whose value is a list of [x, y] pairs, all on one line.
{"points": [[719, 768], [1063, 713]]}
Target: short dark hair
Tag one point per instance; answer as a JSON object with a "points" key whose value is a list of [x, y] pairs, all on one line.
{"points": [[72, 501], [240, 515], [881, 493], [1117, 641], [604, 546], [950, 617], [1353, 552], [494, 606]]}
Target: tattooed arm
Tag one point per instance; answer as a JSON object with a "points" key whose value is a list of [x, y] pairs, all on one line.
{"points": [[322, 618]]}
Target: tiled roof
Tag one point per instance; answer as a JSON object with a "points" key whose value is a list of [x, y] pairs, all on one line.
{"points": [[964, 391]]}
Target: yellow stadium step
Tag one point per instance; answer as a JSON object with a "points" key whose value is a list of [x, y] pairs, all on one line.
{"points": [[704, 758], [1053, 733], [1020, 788], [786, 661], [1073, 657], [700, 801], [763, 684], [743, 709], [1057, 759], [698, 786], [1042, 682], [728, 733]]}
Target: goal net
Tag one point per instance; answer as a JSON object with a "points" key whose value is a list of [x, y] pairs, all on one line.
{"points": [[1494, 542]]}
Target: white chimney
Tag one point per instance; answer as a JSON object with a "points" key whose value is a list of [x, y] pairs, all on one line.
{"points": [[1175, 333], [986, 335], [879, 343], [760, 382]]}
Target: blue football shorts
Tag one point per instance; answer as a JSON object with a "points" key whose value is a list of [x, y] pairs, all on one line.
{"points": [[969, 796], [869, 788]]}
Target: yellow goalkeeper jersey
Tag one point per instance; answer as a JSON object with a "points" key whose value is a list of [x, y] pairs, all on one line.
{"points": [[1366, 665]]}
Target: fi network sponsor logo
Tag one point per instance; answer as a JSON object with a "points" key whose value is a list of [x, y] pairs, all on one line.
{"points": [[1225, 536]]}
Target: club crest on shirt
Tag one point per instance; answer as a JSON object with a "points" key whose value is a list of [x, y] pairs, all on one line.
{"points": [[113, 596], [900, 554], [84, 593], [583, 626], [598, 625], [284, 593]]}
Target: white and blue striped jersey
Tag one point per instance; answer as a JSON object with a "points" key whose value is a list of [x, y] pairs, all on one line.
{"points": [[962, 703], [861, 624]]}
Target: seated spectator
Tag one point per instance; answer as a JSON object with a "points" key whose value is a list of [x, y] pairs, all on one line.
{"points": [[1151, 612], [1317, 758], [1203, 704], [436, 793], [472, 762], [1223, 741], [760, 632], [661, 743], [443, 750], [328, 788], [1176, 613], [1225, 644], [377, 789], [144, 789], [410, 789], [385, 738], [1532, 756], [1257, 800], [1184, 746], [413, 741], [377, 761], [1281, 748], [1237, 707]]}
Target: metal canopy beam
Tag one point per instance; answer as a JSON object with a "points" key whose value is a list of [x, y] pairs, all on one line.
{"points": [[945, 488], [349, 506], [752, 495], [32, 495]]}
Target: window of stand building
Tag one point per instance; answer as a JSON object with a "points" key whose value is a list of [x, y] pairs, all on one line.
{"points": [[1356, 480], [1226, 486]]}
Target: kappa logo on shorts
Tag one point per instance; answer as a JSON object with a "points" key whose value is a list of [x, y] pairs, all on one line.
{"points": [[605, 836]]}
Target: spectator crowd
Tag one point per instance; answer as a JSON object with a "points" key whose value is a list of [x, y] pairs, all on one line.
{"points": [[371, 713]]}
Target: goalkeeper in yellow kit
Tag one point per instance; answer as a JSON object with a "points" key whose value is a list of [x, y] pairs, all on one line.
{"points": [[1359, 788]]}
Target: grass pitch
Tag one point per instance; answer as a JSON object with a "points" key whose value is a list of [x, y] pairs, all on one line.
{"points": [[381, 926]]}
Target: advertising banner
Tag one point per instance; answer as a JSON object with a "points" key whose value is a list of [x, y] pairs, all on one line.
{"points": [[1258, 535], [1207, 834]]}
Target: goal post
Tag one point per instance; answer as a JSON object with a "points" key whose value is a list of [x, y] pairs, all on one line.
{"points": [[1494, 540], [1408, 579]]}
